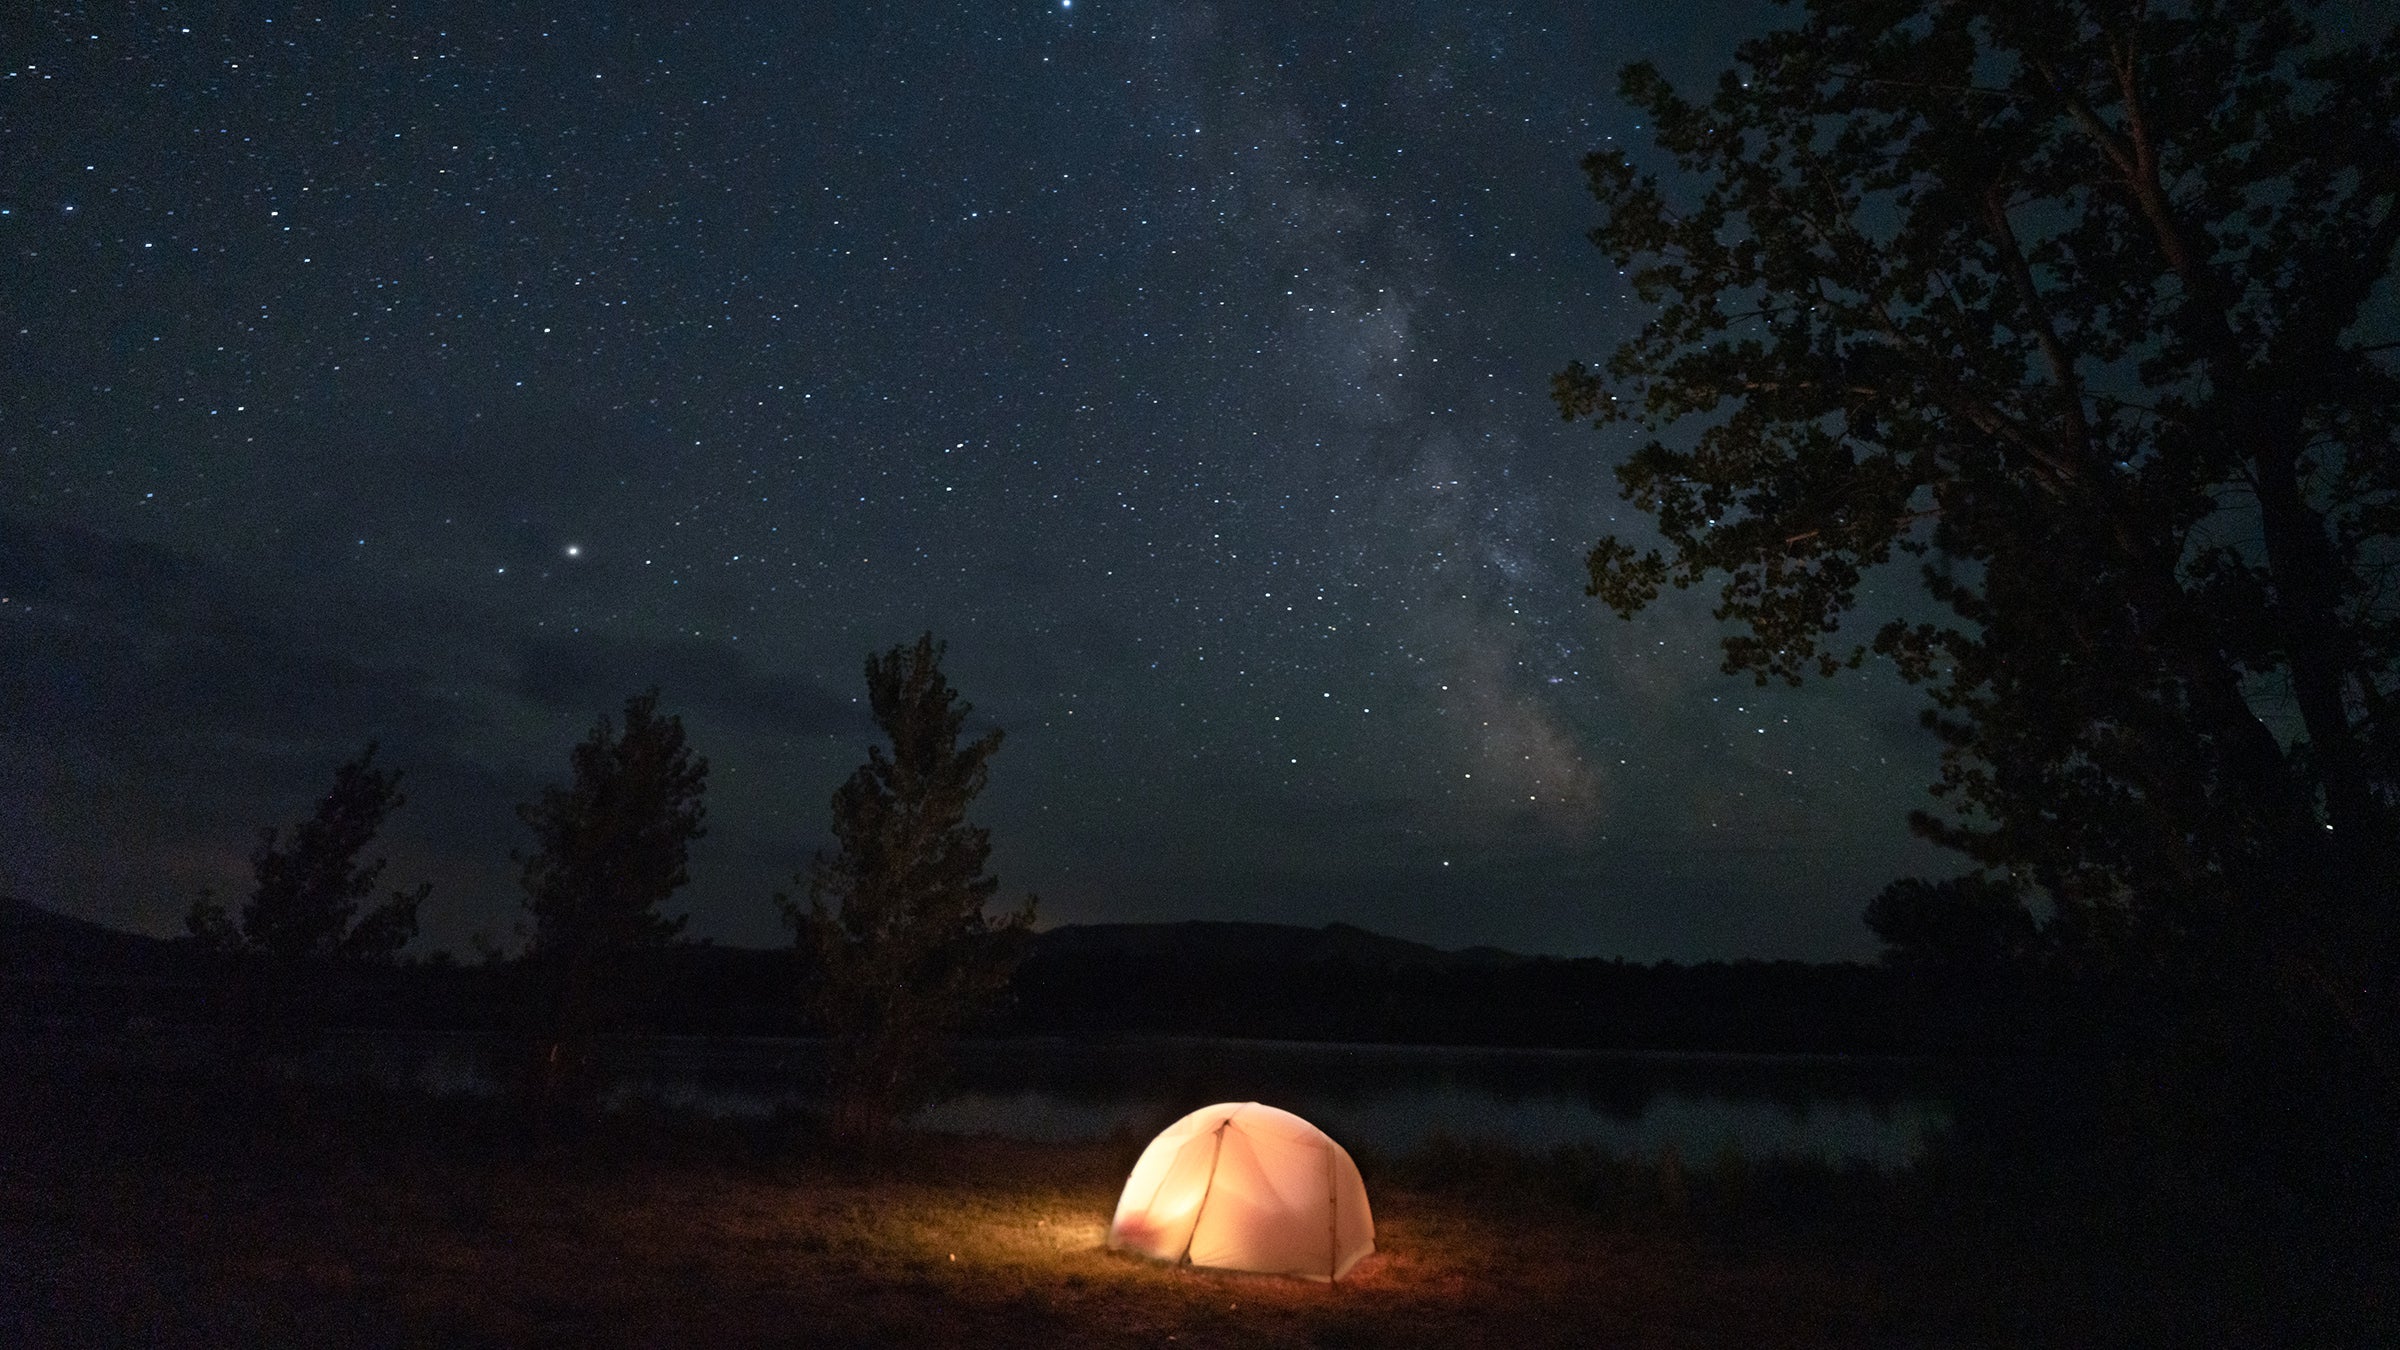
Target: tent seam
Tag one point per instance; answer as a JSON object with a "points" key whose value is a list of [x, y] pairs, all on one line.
{"points": [[1209, 1188]]}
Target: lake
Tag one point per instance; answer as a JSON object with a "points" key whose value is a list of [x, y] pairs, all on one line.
{"points": [[1873, 1111]]}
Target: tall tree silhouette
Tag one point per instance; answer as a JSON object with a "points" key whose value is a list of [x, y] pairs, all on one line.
{"points": [[609, 848], [310, 883], [895, 924], [302, 920], [2072, 302]]}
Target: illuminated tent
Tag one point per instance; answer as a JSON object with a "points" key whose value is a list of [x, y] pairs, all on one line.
{"points": [[1240, 1186]]}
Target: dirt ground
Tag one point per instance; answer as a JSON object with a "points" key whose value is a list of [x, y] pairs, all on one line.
{"points": [[139, 1209]]}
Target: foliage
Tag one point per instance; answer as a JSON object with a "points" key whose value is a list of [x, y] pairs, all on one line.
{"points": [[609, 848], [310, 885], [2076, 303], [895, 923]]}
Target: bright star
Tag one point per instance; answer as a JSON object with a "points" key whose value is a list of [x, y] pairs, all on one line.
{"points": [[573, 550]]}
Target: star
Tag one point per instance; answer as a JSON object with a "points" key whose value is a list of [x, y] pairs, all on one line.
{"points": [[1182, 424]]}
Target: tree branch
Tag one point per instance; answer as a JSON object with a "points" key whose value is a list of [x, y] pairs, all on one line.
{"points": [[2062, 365], [2119, 154]]}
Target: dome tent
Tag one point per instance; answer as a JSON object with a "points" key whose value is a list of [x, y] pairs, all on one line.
{"points": [[1240, 1186]]}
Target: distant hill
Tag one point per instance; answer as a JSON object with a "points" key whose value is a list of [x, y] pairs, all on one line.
{"points": [[1197, 978], [42, 944], [1071, 972], [1340, 983], [1278, 943]]}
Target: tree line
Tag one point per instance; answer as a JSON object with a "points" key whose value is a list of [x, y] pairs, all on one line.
{"points": [[896, 947]]}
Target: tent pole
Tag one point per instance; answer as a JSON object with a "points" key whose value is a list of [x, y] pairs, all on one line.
{"points": [[1333, 1236], [1206, 1189]]}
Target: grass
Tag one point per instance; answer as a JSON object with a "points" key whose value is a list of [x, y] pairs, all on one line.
{"points": [[142, 1205]]}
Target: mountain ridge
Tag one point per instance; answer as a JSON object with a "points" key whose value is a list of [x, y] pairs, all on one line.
{"points": [[31, 932], [1198, 977]]}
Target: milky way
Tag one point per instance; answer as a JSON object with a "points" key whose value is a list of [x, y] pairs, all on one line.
{"points": [[445, 379]]}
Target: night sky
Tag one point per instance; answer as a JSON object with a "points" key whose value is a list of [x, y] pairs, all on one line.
{"points": [[445, 374]]}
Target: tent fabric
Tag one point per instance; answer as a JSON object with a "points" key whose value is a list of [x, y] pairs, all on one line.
{"points": [[1240, 1186]]}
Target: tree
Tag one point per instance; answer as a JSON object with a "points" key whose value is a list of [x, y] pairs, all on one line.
{"points": [[609, 849], [895, 923], [302, 921], [2074, 302], [305, 907]]}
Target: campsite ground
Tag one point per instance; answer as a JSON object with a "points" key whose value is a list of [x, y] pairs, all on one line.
{"points": [[142, 1205]]}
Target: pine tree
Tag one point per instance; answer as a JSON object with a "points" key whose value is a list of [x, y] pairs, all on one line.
{"points": [[310, 884], [895, 927], [610, 847], [302, 923]]}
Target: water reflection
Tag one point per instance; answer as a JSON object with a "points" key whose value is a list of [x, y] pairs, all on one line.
{"points": [[1394, 1098], [1388, 1098]]}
